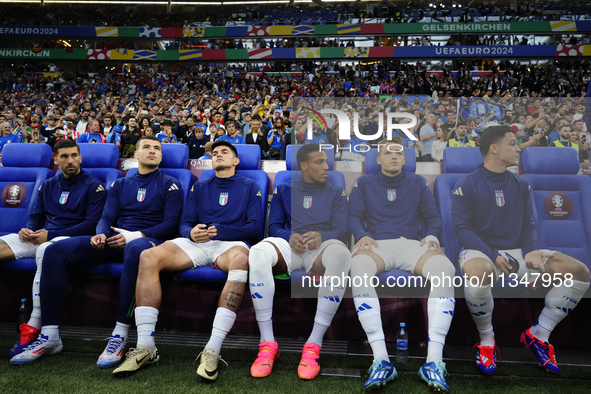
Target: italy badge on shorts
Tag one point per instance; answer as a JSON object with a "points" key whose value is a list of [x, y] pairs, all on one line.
{"points": [[391, 194], [223, 198], [141, 195], [500, 197], [64, 197], [307, 202]]}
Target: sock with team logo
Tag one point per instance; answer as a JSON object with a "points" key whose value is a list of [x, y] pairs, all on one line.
{"points": [[481, 304], [145, 320], [560, 301], [222, 324], [35, 319], [367, 304], [261, 260], [51, 332], [337, 262]]}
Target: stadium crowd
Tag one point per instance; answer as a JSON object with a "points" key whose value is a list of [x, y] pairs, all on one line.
{"points": [[201, 104]]}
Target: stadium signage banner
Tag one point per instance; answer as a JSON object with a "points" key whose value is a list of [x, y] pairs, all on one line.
{"points": [[26, 53]]}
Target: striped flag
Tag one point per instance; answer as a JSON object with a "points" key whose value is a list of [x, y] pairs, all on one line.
{"points": [[109, 31], [150, 32], [190, 54], [563, 26], [265, 53], [349, 29], [144, 54], [303, 30]]}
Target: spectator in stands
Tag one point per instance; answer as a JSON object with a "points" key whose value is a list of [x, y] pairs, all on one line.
{"points": [[7, 137], [130, 137], [108, 124], [439, 145], [277, 140], [232, 135], [555, 133], [144, 122], [35, 125], [148, 131], [49, 130], [144, 210], [197, 144], [93, 135], [460, 138], [82, 126], [218, 132], [166, 136], [207, 155], [564, 141], [255, 136], [427, 135], [209, 236], [114, 137], [21, 129]]}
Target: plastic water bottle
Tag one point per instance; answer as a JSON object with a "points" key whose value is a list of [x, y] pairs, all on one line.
{"points": [[402, 345], [22, 314]]}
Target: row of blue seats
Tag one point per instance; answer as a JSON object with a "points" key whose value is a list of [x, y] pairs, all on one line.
{"points": [[550, 171]]}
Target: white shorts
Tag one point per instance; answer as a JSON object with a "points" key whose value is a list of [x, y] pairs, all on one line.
{"points": [[26, 250], [469, 254], [401, 253], [295, 261], [205, 253]]}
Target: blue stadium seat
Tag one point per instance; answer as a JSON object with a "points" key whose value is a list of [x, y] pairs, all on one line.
{"points": [[457, 162], [100, 161], [561, 200], [25, 168], [293, 173]]}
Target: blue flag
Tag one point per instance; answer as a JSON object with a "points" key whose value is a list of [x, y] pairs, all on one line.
{"points": [[483, 112]]}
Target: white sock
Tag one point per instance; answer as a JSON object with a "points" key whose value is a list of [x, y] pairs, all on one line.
{"points": [[441, 303], [146, 318], [261, 260], [51, 332], [481, 304], [440, 312], [337, 263], [121, 329], [35, 319], [367, 305], [560, 301], [222, 324]]}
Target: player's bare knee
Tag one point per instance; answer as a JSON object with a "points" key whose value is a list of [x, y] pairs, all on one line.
{"points": [[238, 260], [150, 260], [579, 270]]}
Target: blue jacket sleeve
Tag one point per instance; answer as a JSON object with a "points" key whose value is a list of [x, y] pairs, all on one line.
{"points": [[529, 235], [95, 202], [429, 212], [111, 210], [173, 204], [357, 207], [37, 218], [277, 225], [254, 220], [340, 215], [190, 215], [462, 211]]}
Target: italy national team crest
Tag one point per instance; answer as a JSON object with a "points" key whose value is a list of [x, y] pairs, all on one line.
{"points": [[500, 197], [64, 197], [557, 201], [14, 190], [223, 198], [391, 194], [141, 195], [307, 202]]}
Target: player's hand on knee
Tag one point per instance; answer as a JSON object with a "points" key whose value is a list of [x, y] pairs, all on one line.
{"points": [[312, 240], [98, 241], [503, 265], [365, 243], [535, 260], [199, 234], [25, 235], [117, 241], [296, 242]]}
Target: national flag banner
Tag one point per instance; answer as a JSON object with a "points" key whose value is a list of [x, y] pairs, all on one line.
{"points": [[570, 50], [258, 31], [483, 112], [284, 53], [372, 28], [302, 30], [121, 54], [98, 54], [563, 26], [386, 52], [348, 29], [144, 54], [281, 30], [107, 31], [172, 32], [307, 53], [356, 52], [266, 53], [155, 32], [190, 54], [214, 54], [193, 31]]}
